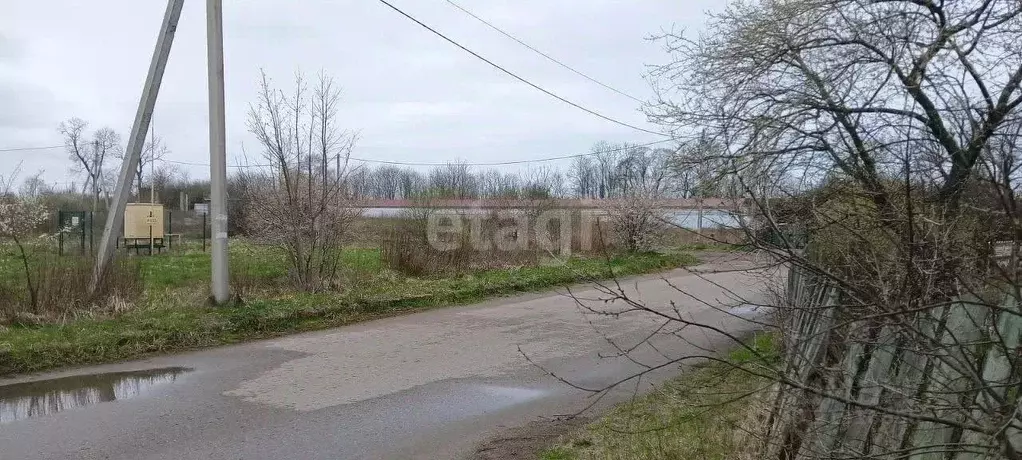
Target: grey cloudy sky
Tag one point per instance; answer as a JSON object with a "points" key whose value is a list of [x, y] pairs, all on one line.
{"points": [[412, 96]]}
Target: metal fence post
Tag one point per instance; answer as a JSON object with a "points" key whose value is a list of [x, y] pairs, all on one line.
{"points": [[170, 229]]}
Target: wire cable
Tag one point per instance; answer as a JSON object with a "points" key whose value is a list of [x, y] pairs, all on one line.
{"points": [[410, 163], [514, 162], [549, 57], [25, 149], [516, 77]]}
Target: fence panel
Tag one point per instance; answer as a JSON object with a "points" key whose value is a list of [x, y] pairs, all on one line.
{"points": [[959, 361]]}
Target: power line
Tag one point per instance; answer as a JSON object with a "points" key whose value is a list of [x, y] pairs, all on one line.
{"points": [[24, 149], [411, 163], [515, 76], [496, 163], [515, 162], [188, 163], [549, 57]]}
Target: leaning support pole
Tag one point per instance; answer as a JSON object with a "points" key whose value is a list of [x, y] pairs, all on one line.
{"points": [[217, 150], [135, 140]]}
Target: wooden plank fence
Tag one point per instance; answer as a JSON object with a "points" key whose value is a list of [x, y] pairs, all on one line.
{"points": [[943, 383]]}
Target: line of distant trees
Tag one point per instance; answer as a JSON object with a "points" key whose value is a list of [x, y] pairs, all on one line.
{"points": [[609, 171]]}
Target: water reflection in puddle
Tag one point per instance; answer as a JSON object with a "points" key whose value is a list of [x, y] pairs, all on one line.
{"points": [[463, 401], [34, 399], [749, 310], [507, 396]]}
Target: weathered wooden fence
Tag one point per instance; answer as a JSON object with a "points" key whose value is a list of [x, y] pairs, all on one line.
{"points": [[936, 383]]}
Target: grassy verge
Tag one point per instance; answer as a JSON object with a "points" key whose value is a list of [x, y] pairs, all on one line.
{"points": [[173, 316], [700, 415]]}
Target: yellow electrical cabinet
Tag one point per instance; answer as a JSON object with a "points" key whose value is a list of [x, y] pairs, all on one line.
{"points": [[142, 218]]}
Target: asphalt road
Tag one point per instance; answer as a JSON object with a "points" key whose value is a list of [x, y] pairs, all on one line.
{"points": [[428, 385]]}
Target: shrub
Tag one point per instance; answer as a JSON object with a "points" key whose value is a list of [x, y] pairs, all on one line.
{"points": [[489, 240]]}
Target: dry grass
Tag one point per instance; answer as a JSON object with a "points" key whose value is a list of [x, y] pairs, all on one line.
{"points": [[406, 249], [172, 312], [714, 411], [60, 286]]}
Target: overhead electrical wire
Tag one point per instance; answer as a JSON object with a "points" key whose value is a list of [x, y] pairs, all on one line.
{"points": [[25, 149], [412, 163], [514, 162], [516, 77], [189, 163], [494, 65], [545, 55]]}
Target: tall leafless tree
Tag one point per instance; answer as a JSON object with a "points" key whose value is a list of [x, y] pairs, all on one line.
{"points": [[89, 155], [874, 144], [882, 132], [582, 175], [154, 150], [453, 180]]}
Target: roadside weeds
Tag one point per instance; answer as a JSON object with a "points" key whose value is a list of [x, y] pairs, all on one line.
{"points": [[710, 412], [177, 319]]}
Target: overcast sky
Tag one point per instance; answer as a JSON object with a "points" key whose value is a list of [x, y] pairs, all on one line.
{"points": [[412, 96]]}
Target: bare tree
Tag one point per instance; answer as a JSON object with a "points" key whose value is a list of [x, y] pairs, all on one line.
{"points": [[874, 142], [636, 211], [89, 157], [387, 182], [34, 186], [304, 203], [75, 140], [453, 180], [583, 176], [411, 183], [154, 150], [161, 179], [606, 160], [542, 183]]}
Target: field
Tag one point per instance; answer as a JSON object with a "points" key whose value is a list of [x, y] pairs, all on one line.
{"points": [[707, 413], [169, 311]]}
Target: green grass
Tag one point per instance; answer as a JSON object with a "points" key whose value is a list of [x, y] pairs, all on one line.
{"points": [[700, 415], [174, 316], [178, 269]]}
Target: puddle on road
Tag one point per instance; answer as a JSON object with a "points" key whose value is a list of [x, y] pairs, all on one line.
{"points": [[478, 399], [43, 397], [463, 401], [509, 396], [747, 310]]}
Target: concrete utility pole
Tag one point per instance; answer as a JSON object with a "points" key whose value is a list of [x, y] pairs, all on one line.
{"points": [[136, 139], [217, 148], [152, 167]]}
